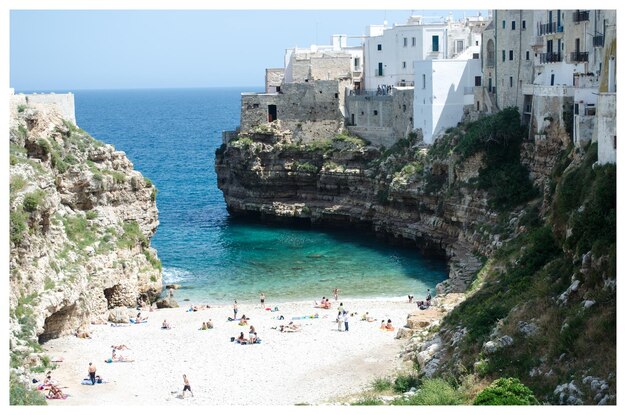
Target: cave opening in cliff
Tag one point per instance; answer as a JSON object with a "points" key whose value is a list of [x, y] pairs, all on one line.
{"points": [[58, 324], [113, 296]]}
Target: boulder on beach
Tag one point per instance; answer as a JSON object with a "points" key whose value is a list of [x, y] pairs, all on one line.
{"points": [[119, 315], [172, 286], [166, 303]]}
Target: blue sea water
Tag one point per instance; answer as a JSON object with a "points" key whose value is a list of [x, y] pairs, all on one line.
{"points": [[171, 135]]}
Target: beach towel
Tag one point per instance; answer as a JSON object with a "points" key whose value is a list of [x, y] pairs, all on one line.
{"points": [[305, 317], [87, 381], [132, 320]]}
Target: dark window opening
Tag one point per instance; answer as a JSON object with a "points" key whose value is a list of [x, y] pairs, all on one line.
{"points": [[523, 24], [511, 81], [503, 55], [336, 95], [375, 112], [477, 105], [380, 47], [614, 142], [255, 105], [352, 119], [272, 113], [510, 55], [527, 55], [435, 43], [552, 80], [513, 25], [477, 81], [504, 24]]}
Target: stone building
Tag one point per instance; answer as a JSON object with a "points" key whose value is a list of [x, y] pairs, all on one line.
{"points": [[62, 103], [380, 118]]}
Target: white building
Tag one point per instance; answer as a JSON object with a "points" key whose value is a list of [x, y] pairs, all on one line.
{"points": [[390, 51], [444, 88]]}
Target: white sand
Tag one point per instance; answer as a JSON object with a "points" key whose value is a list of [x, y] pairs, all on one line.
{"points": [[316, 365]]}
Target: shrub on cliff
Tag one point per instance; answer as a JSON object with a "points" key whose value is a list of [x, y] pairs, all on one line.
{"points": [[506, 391], [19, 394]]}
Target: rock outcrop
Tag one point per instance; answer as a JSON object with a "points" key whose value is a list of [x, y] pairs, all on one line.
{"points": [[81, 223], [344, 183]]}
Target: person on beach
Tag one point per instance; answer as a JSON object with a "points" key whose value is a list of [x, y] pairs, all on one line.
{"points": [[55, 393], [235, 310], [262, 300], [92, 373], [243, 321], [340, 321], [345, 319], [340, 308], [410, 298], [187, 386], [171, 292], [252, 334], [428, 296], [204, 326], [336, 293], [241, 339], [383, 326], [389, 326], [120, 347], [209, 324], [166, 325]]}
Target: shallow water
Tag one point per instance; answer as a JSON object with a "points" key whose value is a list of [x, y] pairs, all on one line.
{"points": [[171, 135]]}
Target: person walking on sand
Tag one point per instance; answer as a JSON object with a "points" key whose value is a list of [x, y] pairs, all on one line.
{"points": [[186, 387], [340, 321], [235, 310], [262, 300], [340, 308], [92, 373], [428, 296], [345, 319], [336, 293]]}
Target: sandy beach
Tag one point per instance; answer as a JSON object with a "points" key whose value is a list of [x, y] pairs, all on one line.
{"points": [[317, 365]]}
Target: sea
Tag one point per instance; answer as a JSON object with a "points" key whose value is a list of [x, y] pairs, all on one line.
{"points": [[171, 136]]}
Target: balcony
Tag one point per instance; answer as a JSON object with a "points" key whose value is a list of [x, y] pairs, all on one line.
{"points": [[536, 42], [581, 16], [580, 57], [598, 41], [550, 57], [548, 28]]}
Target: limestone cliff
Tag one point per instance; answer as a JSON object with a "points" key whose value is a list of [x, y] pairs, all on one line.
{"points": [[528, 227], [81, 220]]}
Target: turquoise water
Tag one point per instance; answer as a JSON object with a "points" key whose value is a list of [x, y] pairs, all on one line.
{"points": [[171, 135]]}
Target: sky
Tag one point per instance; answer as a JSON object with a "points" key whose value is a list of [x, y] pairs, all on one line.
{"points": [[117, 49]]}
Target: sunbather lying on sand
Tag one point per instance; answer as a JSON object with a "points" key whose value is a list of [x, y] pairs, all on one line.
{"points": [[290, 328], [120, 347], [367, 317]]}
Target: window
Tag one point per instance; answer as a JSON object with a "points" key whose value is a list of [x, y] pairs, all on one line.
{"points": [[357, 63], [504, 24], [513, 25], [380, 46], [527, 55], [435, 43], [552, 80], [375, 112], [614, 142], [523, 24], [423, 81], [459, 46], [255, 105], [413, 41], [403, 107], [405, 43], [477, 81], [379, 72], [510, 55], [503, 55], [403, 65], [475, 56], [511, 81]]}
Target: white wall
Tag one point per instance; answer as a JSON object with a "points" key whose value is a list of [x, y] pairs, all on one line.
{"points": [[440, 104], [606, 124]]}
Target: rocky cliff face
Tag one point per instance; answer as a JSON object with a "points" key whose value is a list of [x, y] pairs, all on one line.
{"points": [[343, 182], [81, 221], [541, 308]]}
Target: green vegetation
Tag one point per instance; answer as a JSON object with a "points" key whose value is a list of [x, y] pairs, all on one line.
{"points": [[433, 392], [153, 260], [243, 142], [118, 177], [21, 107], [382, 384], [305, 167], [33, 200], [18, 223], [346, 136], [92, 214], [79, 231], [148, 182], [405, 382], [48, 284], [19, 394], [44, 146], [132, 236], [17, 183], [506, 391]]}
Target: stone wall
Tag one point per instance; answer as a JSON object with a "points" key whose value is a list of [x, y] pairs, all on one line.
{"points": [[311, 110], [606, 134], [273, 79], [309, 66], [381, 119], [63, 104]]}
